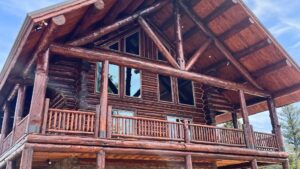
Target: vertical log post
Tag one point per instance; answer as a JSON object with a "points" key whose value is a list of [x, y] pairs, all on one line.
{"points": [[109, 122], [45, 115], [188, 162], [275, 123], [97, 120], [286, 165], [100, 160], [19, 104], [187, 134], [26, 159], [38, 94], [248, 132], [178, 33], [10, 165], [4, 123], [234, 119], [254, 164], [104, 99]]}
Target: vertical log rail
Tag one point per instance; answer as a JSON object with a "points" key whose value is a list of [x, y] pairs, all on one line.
{"points": [[248, 131], [109, 121], [275, 123]]}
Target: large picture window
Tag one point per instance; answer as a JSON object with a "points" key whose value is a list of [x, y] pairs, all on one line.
{"points": [[132, 82], [185, 91], [113, 78], [132, 43], [165, 88]]}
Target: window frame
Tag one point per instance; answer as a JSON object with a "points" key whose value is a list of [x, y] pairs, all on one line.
{"points": [[193, 91], [140, 97], [140, 43], [172, 90], [111, 43]]}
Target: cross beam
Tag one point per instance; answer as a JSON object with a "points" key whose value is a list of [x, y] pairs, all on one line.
{"points": [[129, 61]]}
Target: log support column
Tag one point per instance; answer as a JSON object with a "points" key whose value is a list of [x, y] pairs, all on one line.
{"points": [[254, 164], [178, 32], [39, 93], [275, 123], [4, 122], [20, 104], [248, 131], [104, 99], [100, 160], [286, 165], [188, 162], [235, 120], [26, 159]]}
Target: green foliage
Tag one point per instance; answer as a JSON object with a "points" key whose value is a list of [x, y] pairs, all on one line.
{"points": [[290, 122], [229, 124]]}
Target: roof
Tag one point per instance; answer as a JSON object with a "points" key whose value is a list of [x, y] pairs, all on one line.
{"points": [[229, 20]]}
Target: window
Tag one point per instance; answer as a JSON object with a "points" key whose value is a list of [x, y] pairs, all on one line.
{"points": [[115, 46], [185, 91], [165, 88], [132, 82], [113, 78], [160, 56], [132, 44]]}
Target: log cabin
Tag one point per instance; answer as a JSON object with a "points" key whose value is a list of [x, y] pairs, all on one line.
{"points": [[143, 84]]}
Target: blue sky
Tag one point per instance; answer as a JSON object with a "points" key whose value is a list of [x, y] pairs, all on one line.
{"points": [[281, 17]]}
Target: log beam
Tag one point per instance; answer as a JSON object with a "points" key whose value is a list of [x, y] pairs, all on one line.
{"points": [[236, 29], [46, 39], [254, 164], [38, 94], [274, 67], [197, 55], [234, 119], [104, 99], [256, 47], [146, 27], [275, 123], [115, 26], [26, 158], [19, 104], [220, 10], [220, 46], [117, 9], [178, 36], [100, 160], [127, 60]]}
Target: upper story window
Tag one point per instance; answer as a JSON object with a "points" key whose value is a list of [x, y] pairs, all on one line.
{"points": [[185, 91], [132, 82], [132, 43], [165, 88], [113, 78], [115, 46]]}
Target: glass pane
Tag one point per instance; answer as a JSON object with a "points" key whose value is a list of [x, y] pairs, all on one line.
{"points": [[113, 79], [132, 82], [185, 90], [114, 46], [165, 88], [160, 56], [132, 44]]}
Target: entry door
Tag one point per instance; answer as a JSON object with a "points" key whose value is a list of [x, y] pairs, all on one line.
{"points": [[123, 126], [176, 131]]}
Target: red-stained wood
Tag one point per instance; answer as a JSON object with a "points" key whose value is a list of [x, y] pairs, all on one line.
{"points": [[219, 45], [45, 41], [258, 46], [197, 55], [272, 68], [275, 123], [100, 160], [109, 122], [104, 99], [178, 36], [187, 132], [286, 164], [97, 120], [134, 6], [159, 44], [4, 128], [117, 9], [220, 10], [38, 94], [188, 162], [254, 164], [26, 158], [234, 119], [45, 115], [115, 26], [127, 60], [19, 104], [10, 165]]}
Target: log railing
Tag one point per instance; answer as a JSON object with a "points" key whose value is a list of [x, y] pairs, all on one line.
{"points": [[70, 122], [266, 142], [217, 135], [138, 127]]}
